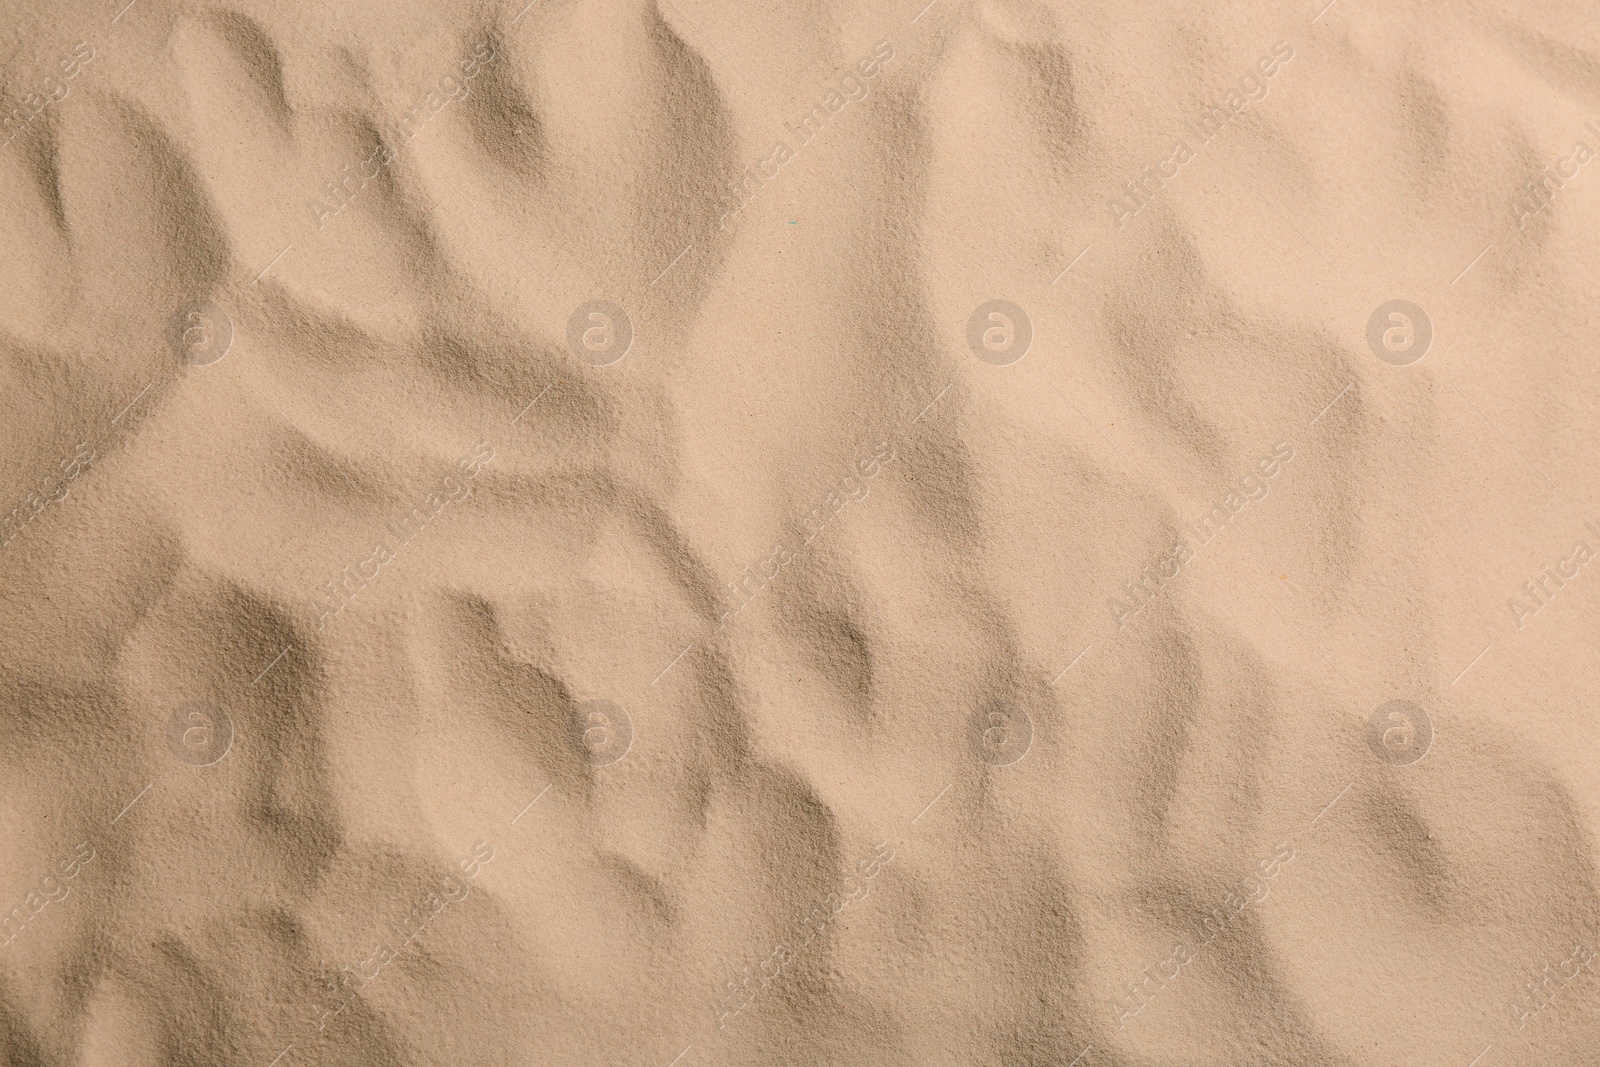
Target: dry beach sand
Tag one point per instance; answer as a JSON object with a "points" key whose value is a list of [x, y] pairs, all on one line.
{"points": [[658, 532]]}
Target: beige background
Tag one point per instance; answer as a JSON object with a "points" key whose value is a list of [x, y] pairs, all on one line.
{"points": [[319, 894]]}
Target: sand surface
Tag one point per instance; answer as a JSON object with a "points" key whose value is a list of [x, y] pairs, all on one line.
{"points": [[666, 532]]}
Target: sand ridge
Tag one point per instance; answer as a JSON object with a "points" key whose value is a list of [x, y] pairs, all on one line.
{"points": [[648, 531]]}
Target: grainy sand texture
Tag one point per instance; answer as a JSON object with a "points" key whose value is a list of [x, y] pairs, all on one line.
{"points": [[682, 533]]}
